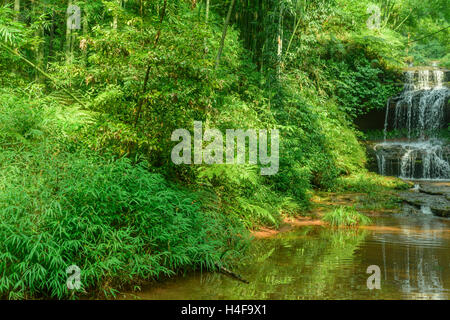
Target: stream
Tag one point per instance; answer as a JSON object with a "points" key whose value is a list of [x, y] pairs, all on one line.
{"points": [[317, 262]]}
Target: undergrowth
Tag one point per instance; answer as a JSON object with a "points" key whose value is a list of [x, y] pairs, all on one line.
{"points": [[345, 216]]}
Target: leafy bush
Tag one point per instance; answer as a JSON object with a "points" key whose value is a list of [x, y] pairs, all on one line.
{"points": [[368, 182], [361, 85], [117, 222]]}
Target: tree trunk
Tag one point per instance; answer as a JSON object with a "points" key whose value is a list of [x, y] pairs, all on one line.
{"points": [[147, 73], [40, 53], [280, 41], [85, 33], [68, 39], [205, 45], [116, 17], [16, 18], [52, 36], [39, 34], [16, 9], [224, 33]]}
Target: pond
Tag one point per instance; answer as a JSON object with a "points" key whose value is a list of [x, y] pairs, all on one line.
{"points": [[316, 262]]}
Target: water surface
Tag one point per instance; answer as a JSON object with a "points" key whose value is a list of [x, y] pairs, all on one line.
{"points": [[321, 263]]}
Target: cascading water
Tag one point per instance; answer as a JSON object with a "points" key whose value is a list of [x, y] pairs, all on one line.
{"points": [[417, 114]]}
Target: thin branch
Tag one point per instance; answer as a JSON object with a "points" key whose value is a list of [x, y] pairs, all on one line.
{"points": [[415, 40], [404, 20]]}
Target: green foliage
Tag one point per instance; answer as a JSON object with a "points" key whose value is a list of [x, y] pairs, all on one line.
{"points": [[117, 222], [10, 32], [346, 216], [82, 183], [368, 182], [361, 85], [415, 25], [241, 193], [374, 135], [375, 192]]}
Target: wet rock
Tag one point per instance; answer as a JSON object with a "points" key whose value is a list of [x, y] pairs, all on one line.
{"points": [[371, 164], [440, 189], [438, 203]]}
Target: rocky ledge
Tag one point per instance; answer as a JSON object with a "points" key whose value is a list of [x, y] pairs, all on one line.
{"points": [[434, 196]]}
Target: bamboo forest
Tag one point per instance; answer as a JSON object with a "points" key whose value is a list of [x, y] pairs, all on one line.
{"points": [[224, 150]]}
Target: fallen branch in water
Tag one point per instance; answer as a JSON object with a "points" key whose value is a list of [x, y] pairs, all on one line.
{"points": [[232, 274]]}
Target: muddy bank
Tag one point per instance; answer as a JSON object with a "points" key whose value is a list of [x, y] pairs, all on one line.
{"points": [[288, 225], [323, 202]]}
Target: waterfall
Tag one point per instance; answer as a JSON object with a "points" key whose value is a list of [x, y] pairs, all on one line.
{"points": [[418, 115], [381, 160]]}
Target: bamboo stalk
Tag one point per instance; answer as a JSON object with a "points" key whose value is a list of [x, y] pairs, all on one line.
{"points": [[42, 72]]}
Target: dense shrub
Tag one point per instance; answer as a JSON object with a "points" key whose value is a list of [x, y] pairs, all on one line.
{"points": [[117, 222], [63, 205]]}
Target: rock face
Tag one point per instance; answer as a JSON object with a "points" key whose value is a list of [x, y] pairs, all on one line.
{"points": [[439, 189], [434, 197]]}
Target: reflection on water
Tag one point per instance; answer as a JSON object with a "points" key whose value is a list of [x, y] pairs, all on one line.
{"points": [[314, 262]]}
